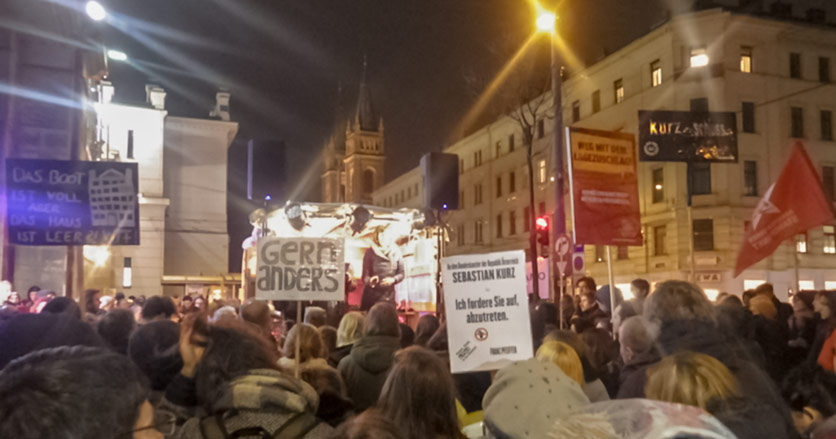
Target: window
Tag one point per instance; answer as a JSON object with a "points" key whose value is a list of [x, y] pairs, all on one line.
{"points": [[477, 158], [526, 219], [127, 273], [699, 57], [409, 193], [656, 73], [512, 182], [499, 226], [700, 174], [829, 240], [542, 207], [511, 144], [596, 101], [541, 128], [403, 195], [478, 232], [477, 195], [541, 168], [576, 111], [659, 236], [498, 186], [512, 222], [658, 181], [461, 199], [801, 243], [824, 69], [703, 235], [461, 166], [623, 252], [827, 182], [130, 144], [498, 149], [618, 90], [795, 65], [796, 122], [460, 238], [745, 59], [750, 178], [699, 105], [826, 125], [748, 117], [600, 251]]}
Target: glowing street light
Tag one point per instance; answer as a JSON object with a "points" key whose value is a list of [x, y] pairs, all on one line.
{"points": [[545, 21], [95, 10], [117, 55]]}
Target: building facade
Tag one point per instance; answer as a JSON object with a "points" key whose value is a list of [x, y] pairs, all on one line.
{"points": [[775, 73]]}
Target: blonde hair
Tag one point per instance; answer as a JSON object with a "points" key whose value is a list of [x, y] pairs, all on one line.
{"points": [[310, 341], [690, 378], [763, 306], [351, 328], [564, 357]]}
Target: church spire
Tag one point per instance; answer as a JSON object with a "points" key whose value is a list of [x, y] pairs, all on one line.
{"points": [[364, 115]]}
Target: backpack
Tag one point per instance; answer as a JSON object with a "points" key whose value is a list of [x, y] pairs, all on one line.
{"points": [[212, 427]]}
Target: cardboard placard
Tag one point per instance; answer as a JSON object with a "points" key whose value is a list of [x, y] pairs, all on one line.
{"points": [[300, 269]]}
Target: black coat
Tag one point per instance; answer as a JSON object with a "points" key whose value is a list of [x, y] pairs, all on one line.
{"points": [[366, 368]]}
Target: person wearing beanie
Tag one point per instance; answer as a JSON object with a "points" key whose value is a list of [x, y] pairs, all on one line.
{"points": [[528, 397], [153, 347]]}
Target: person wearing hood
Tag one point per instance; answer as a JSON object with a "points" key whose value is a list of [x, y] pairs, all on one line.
{"points": [[528, 397], [230, 386], [365, 369], [681, 318]]}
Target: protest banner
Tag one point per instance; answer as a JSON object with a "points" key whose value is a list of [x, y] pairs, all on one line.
{"points": [[300, 269], [688, 136], [72, 202], [605, 187], [488, 325]]}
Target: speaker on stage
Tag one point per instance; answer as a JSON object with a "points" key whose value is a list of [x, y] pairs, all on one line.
{"points": [[440, 172]]}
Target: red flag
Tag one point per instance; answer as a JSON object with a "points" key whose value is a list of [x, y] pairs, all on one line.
{"points": [[792, 205]]}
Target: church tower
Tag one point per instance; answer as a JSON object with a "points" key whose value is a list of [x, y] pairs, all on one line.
{"points": [[354, 161]]}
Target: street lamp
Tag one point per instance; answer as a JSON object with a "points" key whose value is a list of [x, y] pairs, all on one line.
{"points": [[546, 21], [117, 55], [95, 10]]}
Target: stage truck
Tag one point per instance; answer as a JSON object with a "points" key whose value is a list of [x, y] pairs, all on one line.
{"points": [[390, 254]]}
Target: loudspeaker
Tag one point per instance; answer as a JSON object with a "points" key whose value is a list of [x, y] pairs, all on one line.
{"points": [[266, 170], [440, 172]]}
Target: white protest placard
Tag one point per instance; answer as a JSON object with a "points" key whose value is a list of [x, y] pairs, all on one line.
{"points": [[487, 310], [300, 269]]}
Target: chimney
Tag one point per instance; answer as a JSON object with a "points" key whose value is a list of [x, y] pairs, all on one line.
{"points": [[155, 95], [818, 16], [781, 10], [221, 110]]}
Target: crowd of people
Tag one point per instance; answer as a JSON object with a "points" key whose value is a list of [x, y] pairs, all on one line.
{"points": [[667, 363]]}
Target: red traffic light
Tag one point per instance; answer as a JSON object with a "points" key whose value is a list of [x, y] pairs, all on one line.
{"points": [[542, 222]]}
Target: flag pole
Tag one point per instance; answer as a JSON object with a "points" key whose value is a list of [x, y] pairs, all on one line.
{"points": [[691, 226], [612, 290]]}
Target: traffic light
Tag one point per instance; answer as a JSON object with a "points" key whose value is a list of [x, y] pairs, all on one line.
{"points": [[542, 224]]}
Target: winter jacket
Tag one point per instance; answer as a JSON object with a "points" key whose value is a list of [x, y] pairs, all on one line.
{"points": [[338, 354], [334, 406], [826, 355], [261, 399], [365, 369], [703, 337], [592, 318]]}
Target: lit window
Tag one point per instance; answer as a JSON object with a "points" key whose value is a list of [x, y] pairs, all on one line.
{"points": [[656, 73], [711, 293], [626, 293], [801, 243], [752, 284], [542, 171], [750, 178], [806, 285], [618, 87], [659, 236], [829, 240], [746, 59], [829, 285], [699, 57], [658, 185], [599, 253]]}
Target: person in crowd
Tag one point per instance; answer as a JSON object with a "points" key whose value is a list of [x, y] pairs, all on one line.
{"points": [[747, 296], [802, 324], [42, 298], [258, 313], [564, 357], [567, 310], [827, 355], [407, 335], [382, 269], [425, 329], [106, 303], [334, 405], [158, 308], [603, 354], [639, 419], [76, 393], [231, 373], [811, 394], [681, 318], [544, 320], [31, 297], [639, 288], [349, 331], [419, 396], [528, 397], [153, 347], [315, 316], [224, 313], [312, 352], [122, 302], [702, 381], [13, 301], [636, 347], [115, 329], [593, 386], [588, 314], [825, 305], [769, 336], [186, 305], [91, 305], [366, 367], [370, 424], [201, 305], [585, 285], [27, 333], [784, 310], [63, 305]]}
